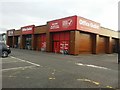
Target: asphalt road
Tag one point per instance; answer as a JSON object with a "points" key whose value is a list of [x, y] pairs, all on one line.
{"points": [[35, 69]]}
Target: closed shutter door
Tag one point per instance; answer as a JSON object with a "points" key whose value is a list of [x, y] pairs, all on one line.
{"points": [[61, 42], [102, 45], [85, 43]]}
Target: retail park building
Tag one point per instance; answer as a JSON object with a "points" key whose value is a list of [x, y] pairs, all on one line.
{"points": [[74, 35]]}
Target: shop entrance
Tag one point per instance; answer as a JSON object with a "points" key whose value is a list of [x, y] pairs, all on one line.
{"points": [[61, 42], [10, 41], [27, 41], [17, 41]]}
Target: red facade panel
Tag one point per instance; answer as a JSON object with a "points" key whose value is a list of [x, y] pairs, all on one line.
{"points": [[67, 36], [56, 47], [74, 23], [61, 42], [64, 24], [61, 36], [56, 37]]}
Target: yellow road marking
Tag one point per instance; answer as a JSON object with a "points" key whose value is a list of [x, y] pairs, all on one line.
{"points": [[97, 83], [94, 82], [109, 87], [51, 78]]}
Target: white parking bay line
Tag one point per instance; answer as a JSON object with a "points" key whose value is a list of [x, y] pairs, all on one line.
{"points": [[26, 61], [94, 66], [17, 68]]}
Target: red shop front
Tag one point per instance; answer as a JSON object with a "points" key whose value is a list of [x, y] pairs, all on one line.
{"points": [[69, 33], [61, 42], [60, 31]]}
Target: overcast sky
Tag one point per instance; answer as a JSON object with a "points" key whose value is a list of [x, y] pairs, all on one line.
{"points": [[17, 13]]}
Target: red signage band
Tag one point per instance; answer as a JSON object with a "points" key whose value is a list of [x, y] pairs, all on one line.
{"points": [[87, 25], [68, 23], [28, 29], [74, 23]]}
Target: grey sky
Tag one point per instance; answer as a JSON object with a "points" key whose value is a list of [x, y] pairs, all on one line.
{"points": [[17, 13]]}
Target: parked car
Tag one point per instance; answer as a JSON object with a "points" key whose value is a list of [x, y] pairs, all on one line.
{"points": [[4, 50]]}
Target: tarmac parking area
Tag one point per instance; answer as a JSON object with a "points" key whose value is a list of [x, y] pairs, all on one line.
{"points": [[33, 69]]}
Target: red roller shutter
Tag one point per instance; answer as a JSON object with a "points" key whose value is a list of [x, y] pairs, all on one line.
{"points": [[56, 37], [56, 47], [67, 36], [61, 42], [62, 35]]}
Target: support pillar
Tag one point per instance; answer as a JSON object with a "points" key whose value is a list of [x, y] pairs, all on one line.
{"points": [[74, 42], [13, 40], [95, 48], [48, 40], [21, 42], [33, 42], [109, 45]]}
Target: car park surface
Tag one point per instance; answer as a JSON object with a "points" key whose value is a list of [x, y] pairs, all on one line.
{"points": [[35, 69]]}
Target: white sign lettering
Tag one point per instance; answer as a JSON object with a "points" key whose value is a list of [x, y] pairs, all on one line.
{"points": [[10, 33], [89, 24], [67, 23], [27, 29], [54, 25]]}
